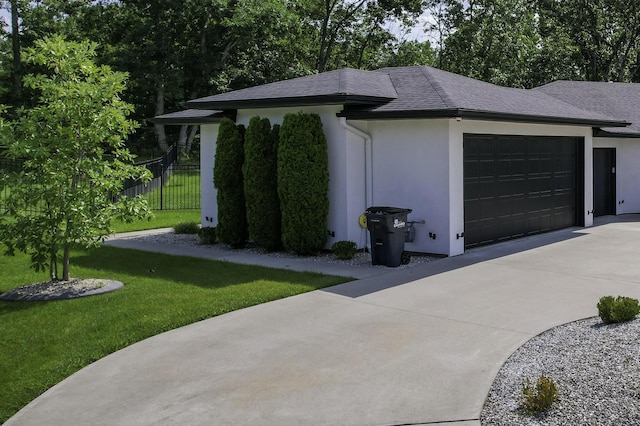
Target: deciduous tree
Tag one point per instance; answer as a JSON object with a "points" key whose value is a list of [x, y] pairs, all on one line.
{"points": [[75, 161]]}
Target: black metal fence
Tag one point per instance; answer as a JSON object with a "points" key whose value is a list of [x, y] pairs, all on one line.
{"points": [[174, 186], [7, 165]]}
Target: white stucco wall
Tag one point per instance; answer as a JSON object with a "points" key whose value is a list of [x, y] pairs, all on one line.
{"points": [[416, 164], [347, 187], [411, 167], [208, 194], [627, 172], [346, 169]]}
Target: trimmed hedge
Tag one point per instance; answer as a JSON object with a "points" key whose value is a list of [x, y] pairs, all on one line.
{"points": [[261, 183], [303, 183], [229, 181]]}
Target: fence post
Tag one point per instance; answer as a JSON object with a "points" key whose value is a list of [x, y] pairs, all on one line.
{"points": [[162, 181]]}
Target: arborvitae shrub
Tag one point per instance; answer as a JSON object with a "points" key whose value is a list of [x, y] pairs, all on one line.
{"points": [[303, 183], [228, 180], [261, 183], [619, 309]]}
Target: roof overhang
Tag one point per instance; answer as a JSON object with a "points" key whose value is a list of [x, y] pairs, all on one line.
{"points": [[611, 133], [365, 114], [297, 101], [193, 117]]}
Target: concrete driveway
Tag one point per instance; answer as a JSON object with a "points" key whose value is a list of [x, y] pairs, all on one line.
{"points": [[420, 346]]}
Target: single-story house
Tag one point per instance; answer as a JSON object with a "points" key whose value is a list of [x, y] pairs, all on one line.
{"points": [[478, 163]]}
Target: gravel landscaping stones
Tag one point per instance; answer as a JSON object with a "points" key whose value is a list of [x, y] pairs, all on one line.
{"points": [[596, 368], [360, 259]]}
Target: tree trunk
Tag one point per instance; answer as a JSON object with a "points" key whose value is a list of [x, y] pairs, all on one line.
{"points": [[65, 262], [17, 64], [182, 140], [159, 128], [185, 139], [53, 266], [192, 134]]}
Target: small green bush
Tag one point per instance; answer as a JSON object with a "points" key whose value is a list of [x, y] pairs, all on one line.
{"points": [[207, 235], [344, 250], [539, 398], [619, 309], [186, 228]]}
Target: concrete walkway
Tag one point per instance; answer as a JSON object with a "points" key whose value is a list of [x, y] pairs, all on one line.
{"points": [[215, 252], [420, 346]]}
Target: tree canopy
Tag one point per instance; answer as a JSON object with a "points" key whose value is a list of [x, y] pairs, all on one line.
{"points": [[179, 50]]}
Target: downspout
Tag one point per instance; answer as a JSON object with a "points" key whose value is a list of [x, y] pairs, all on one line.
{"points": [[368, 161]]}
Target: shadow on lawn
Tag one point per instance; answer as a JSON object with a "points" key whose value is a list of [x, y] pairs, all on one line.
{"points": [[187, 270], [18, 306]]}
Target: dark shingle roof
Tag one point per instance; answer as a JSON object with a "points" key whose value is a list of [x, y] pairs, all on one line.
{"points": [[427, 92], [344, 86], [410, 92], [620, 100], [190, 116]]}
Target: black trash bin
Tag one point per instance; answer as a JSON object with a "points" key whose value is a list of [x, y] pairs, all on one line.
{"points": [[386, 226]]}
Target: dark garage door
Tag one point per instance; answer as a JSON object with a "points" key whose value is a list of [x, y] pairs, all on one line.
{"points": [[516, 186]]}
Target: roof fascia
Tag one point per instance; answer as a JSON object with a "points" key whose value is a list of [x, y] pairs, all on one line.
{"points": [[599, 133], [194, 121], [337, 99], [477, 115]]}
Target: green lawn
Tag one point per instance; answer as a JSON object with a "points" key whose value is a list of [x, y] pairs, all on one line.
{"points": [[181, 191], [161, 219], [44, 342]]}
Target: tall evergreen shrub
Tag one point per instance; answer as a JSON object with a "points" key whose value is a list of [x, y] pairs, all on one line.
{"points": [[261, 183], [228, 180], [303, 183]]}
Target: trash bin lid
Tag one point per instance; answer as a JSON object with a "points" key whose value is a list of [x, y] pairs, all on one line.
{"points": [[387, 210]]}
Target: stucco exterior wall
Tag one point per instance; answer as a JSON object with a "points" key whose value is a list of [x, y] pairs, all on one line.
{"points": [[347, 192], [208, 194], [627, 172], [416, 164], [410, 169], [346, 169]]}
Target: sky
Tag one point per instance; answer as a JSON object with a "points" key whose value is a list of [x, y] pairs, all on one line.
{"points": [[6, 17]]}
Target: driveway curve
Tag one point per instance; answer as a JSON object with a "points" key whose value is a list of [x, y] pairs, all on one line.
{"points": [[420, 346]]}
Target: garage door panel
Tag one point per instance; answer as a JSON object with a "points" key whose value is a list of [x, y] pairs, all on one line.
{"points": [[518, 185]]}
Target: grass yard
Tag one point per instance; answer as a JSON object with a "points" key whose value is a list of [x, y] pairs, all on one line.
{"points": [[161, 219], [181, 191], [44, 342]]}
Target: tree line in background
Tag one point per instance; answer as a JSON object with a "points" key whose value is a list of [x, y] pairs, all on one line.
{"points": [[179, 50]]}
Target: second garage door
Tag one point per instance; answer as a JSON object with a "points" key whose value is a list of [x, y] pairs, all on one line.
{"points": [[516, 186]]}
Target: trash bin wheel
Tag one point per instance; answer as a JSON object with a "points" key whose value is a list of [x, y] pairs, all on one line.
{"points": [[405, 258]]}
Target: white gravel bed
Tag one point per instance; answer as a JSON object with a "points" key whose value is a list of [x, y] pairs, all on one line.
{"points": [[60, 290], [360, 259], [595, 366]]}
